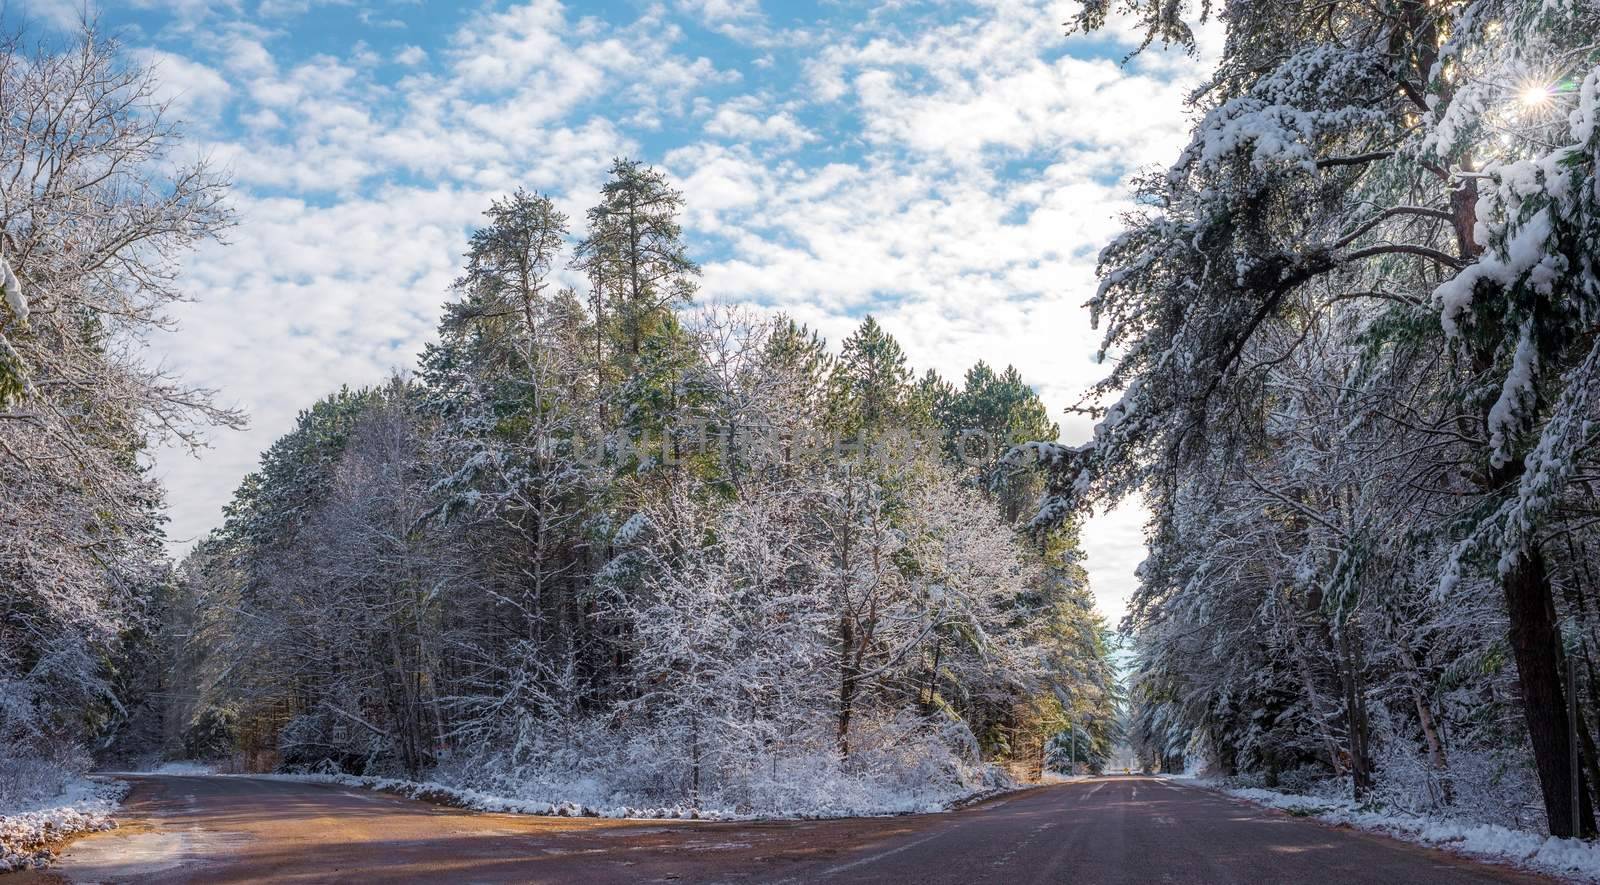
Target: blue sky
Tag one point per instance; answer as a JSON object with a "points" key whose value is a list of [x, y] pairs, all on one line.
{"points": [[952, 167]]}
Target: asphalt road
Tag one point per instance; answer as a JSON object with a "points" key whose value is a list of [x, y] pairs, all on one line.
{"points": [[1106, 830]]}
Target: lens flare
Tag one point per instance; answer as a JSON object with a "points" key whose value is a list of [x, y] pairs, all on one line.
{"points": [[1536, 96]]}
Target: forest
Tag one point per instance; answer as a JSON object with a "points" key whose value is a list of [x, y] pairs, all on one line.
{"points": [[624, 546], [688, 555]]}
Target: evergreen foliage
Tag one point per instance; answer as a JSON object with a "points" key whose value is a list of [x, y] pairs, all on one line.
{"points": [[1354, 375]]}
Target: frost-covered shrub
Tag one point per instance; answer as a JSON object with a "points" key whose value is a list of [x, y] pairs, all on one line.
{"points": [[901, 765], [1497, 786], [27, 778], [44, 798], [1494, 785], [1307, 779]]}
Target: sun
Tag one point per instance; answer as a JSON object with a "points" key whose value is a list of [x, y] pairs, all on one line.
{"points": [[1535, 96]]}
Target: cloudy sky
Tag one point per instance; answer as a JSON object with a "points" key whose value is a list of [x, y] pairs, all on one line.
{"points": [[950, 167]]}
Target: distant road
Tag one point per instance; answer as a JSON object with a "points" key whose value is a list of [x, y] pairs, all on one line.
{"points": [[180, 829]]}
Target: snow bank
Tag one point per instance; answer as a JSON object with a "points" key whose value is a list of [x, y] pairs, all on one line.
{"points": [[1051, 777], [181, 767], [1573, 858], [28, 835], [589, 768], [432, 791], [188, 768]]}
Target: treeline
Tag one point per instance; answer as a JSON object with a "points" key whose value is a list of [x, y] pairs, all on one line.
{"points": [[604, 537], [1360, 384]]}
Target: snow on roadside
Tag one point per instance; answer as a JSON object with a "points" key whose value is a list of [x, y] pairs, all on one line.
{"points": [[479, 801], [184, 768], [28, 835], [1572, 858], [1051, 777]]}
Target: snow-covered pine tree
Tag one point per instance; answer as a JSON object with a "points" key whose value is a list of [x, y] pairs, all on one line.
{"points": [[1419, 176], [651, 571]]}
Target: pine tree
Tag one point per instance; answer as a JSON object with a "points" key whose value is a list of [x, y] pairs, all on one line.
{"points": [[870, 390], [711, 603], [636, 260], [1379, 173]]}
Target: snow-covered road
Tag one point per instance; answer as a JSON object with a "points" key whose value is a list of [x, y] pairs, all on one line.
{"points": [[1107, 830]]}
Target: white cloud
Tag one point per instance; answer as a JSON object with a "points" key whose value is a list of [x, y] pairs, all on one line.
{"points": [[59, 14], [187, 14], [747, 119], [717, 11], [955, 178], [245, 55], [193, 92], [373, 20], [1114, 544], [1038, 107], [741, 20], [261, 119], [282, 8], [499, 50]]}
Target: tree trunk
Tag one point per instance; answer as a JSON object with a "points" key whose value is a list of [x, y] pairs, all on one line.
{"points": [[1314, 696], [694, 753], [933, 677], [1536, 647], [1573, 594], [1591, 761], [1355, 711], [1586, 724], [1435, 741], [847, 681]]}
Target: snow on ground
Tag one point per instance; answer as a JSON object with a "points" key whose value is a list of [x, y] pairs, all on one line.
{"points": [[1572, 858], [1051, 777], [481, 801], [189, 768], [28, 833]]}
